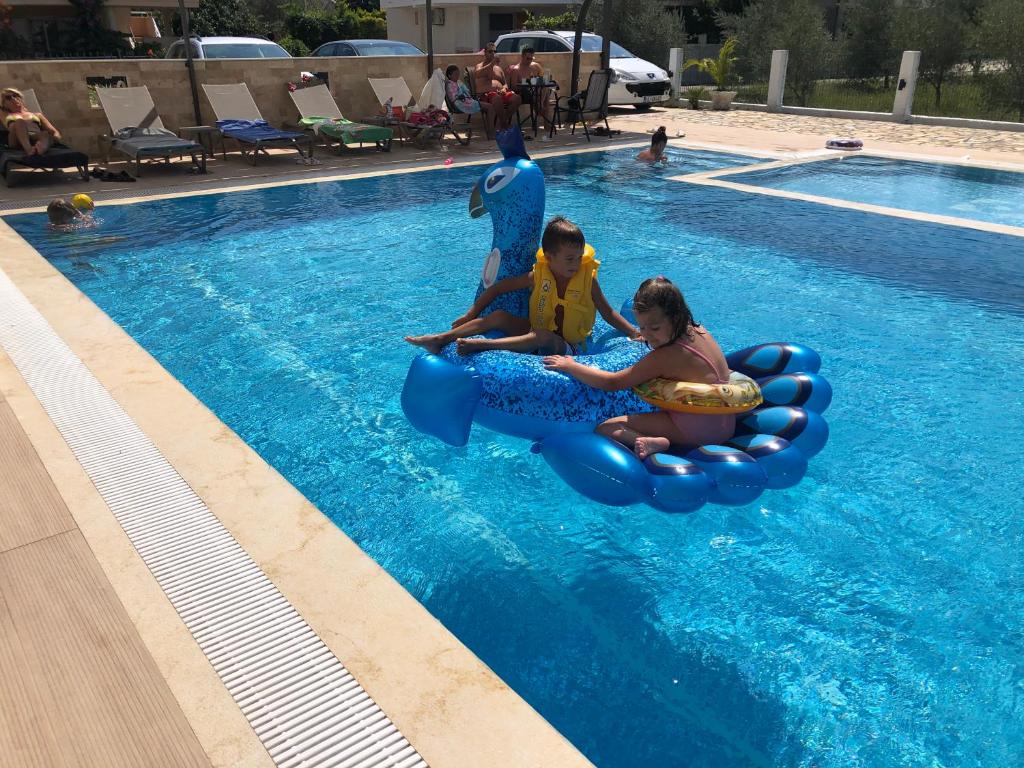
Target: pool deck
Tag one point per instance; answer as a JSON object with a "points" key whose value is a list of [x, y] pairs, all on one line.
{"points": [[98, 667]]}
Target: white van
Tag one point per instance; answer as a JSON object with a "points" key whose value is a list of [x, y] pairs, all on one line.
{"points": [[634, 81]]}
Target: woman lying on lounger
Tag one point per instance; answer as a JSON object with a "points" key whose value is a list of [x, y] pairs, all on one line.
{"points": [[30, 131]]}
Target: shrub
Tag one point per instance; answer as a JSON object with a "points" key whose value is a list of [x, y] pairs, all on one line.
{"points": [[294, 46]]}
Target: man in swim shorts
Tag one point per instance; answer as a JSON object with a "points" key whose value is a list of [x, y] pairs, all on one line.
{"points": [[492, 87]]}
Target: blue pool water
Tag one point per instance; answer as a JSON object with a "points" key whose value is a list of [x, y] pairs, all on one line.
{"points": [[869, 617], [949, 190]]}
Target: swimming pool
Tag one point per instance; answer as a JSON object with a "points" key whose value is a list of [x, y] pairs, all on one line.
{"points": [[949, 190], [869, 616]]}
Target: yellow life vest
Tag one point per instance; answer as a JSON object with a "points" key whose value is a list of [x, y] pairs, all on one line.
{"points": [[578, 310]]}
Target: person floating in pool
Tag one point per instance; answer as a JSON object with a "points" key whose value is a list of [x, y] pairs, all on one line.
{"points": [[656, 154], [71, 215], [681, 349], [564, 301]]}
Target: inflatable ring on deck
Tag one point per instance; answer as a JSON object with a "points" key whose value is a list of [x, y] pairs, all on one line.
{"points": [[844, 144], [739, 395]]}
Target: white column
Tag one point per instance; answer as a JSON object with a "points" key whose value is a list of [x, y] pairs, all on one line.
{"points": [[777, 80], [905, 86], [675, 64]]}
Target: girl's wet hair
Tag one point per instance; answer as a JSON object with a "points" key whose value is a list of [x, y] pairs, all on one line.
{"points": [[559, 233], [662, 293], [448, 72], [659, 137]]}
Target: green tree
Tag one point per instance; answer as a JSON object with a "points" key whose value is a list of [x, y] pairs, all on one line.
{"points": [[643, 27], [939, 30], [566, 20], [797, 26], [1001, 35], [869, 48], [88, 34], [317, 27], [223, 17]]}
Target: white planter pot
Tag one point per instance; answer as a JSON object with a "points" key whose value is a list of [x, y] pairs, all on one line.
{"points": [[722, 99]]}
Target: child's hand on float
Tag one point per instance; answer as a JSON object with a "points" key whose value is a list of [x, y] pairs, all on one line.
{"points": [[562, 363]]}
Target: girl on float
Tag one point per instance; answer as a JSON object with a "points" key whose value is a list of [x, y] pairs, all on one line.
{"points": [[681, 349]]}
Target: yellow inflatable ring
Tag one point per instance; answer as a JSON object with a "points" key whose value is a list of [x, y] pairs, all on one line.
{"points": [[738, 395]]}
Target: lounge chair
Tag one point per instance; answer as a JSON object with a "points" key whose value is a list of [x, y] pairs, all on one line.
{"points": [[433, 94], [319, 112], [239, 118], [591, 103], [138, 131], [56, 158]]}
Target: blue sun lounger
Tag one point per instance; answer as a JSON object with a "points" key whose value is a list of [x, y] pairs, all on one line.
{"points": [[239, 118]]}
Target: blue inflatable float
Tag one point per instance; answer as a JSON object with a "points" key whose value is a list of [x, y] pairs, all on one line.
{"points": [[514, 394]]}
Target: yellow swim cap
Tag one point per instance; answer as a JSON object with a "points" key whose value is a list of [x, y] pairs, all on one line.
{"points": [[82, 202]]}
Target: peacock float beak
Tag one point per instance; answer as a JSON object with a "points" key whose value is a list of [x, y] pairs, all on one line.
{"points": [[476, 203]]}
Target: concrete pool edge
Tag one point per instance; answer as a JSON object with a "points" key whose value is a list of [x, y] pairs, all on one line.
{"points": [[452, 708]]}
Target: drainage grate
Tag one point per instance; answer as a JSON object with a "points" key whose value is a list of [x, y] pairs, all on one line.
{"points": [[303, 704]]}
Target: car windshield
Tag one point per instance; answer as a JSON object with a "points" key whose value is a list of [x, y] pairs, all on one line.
{"points": [[592, 44], [387, 48], [244, 51]]}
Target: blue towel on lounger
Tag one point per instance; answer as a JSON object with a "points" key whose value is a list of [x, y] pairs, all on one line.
{"points": [[254, 130]]}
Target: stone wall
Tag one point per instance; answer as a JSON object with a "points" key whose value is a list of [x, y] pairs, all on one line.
{"points": [[64, 96]]}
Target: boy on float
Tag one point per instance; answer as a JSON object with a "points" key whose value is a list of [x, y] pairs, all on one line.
{"points": [[564, 301]]}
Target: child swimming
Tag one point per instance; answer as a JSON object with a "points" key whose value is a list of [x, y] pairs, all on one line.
{"points": [[656, 154], [681, 350], [63, 214], [564, 301]]}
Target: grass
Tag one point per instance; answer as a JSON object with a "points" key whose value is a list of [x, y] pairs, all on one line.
{"points": [[960, 98]]}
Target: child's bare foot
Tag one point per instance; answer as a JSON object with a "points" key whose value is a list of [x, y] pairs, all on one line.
{"points": [[469, 346], [648, 446], [430, 342]]}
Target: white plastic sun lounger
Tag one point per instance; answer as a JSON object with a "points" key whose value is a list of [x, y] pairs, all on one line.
{"points": [[239, 118], [319, 112], [138, 131]]}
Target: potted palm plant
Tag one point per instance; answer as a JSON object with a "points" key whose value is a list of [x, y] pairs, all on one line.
{"points": [[721, 71]]}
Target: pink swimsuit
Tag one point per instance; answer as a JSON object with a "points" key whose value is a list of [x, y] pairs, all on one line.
{"points": [[699, 428]]}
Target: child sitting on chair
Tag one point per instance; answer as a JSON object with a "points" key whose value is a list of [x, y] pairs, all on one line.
{"points": [[564, 301], [460, 97], [656, 154]]}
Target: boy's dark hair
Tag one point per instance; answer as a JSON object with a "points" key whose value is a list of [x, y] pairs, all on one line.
{"points": [[448, 72], [662, 293], [528, 49], [559, 233]]}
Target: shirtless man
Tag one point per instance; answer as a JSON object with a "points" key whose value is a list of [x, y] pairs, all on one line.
{"points": [[523, 70], [492, 88]]}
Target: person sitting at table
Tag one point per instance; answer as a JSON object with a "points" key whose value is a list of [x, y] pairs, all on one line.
{"points": [[30, 131], [528, 67], [492, 88]]}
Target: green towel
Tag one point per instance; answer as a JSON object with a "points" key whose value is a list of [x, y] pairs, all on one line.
{"points": [[346, 131]]}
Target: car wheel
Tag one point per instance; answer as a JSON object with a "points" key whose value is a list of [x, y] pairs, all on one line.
{"points": [[642, 107]]}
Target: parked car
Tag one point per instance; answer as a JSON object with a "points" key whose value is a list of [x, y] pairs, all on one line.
{"points": [[367, 48], [634, 81], [228, 48]]}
